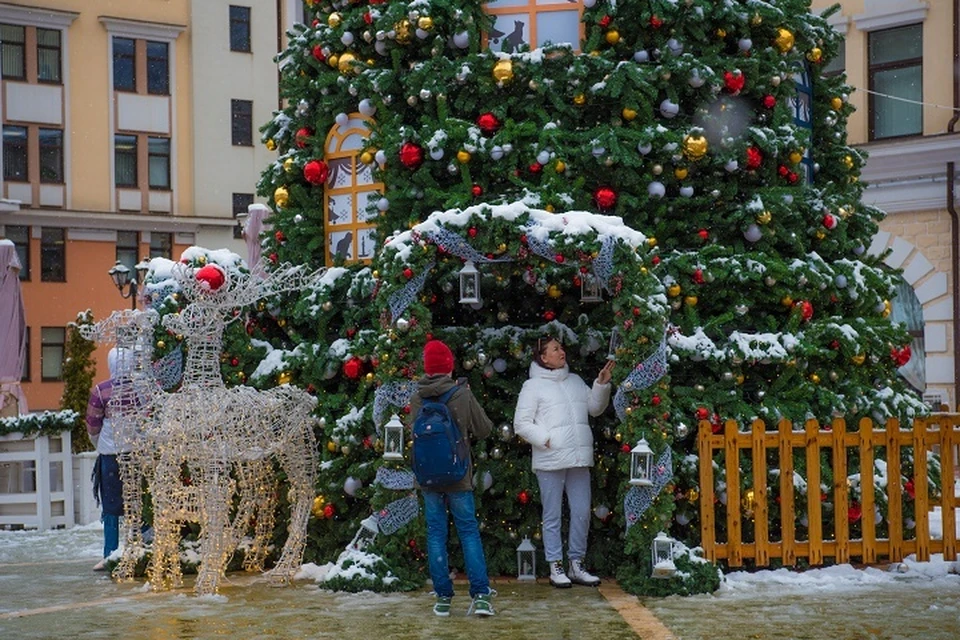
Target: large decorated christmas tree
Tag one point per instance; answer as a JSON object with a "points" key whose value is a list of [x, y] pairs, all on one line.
{"points": [[677, 171]]}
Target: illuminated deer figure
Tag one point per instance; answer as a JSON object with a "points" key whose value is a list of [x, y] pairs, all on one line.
{"points": [[223, 436]]}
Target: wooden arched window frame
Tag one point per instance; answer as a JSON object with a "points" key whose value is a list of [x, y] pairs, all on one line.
{"points": [[533, 23], [350, 195]]}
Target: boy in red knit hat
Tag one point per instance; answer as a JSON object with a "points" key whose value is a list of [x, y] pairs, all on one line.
{"points": [[456, 498]]}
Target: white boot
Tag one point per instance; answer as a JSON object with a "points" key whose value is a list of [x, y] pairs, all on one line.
{"points": [[558, 578], [580, 575]]}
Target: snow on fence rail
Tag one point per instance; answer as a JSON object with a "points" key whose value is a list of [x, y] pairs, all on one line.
{"points": [[882, 524]]}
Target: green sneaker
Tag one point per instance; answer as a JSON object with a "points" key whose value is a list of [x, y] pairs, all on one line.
{"points": [[483, 604], [442, 606]]}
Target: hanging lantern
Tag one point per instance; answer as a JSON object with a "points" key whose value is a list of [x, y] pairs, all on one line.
{"points": [[526, 560], [366, 534], [641, 464], [469, 284], [662, 556], [393, 439], [590, 288]]}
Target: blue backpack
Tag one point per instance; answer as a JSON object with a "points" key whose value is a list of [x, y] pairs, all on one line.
{"points": [[440, 453]]}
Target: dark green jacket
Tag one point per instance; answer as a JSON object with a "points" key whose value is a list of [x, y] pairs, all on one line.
{"points": [[466, 411]]}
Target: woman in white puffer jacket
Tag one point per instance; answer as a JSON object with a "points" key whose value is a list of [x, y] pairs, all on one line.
{"points": [[552, 415]]}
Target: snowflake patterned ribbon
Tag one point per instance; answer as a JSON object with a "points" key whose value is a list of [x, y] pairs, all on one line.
{"points": [[392, 394], [603, 265], [639, 499], [394, 479], [454, 244], [400, 300], [397, 514], [542, 248], [643, 375]]}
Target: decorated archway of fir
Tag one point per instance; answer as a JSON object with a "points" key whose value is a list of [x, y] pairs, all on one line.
{"points": [[532, 265]]}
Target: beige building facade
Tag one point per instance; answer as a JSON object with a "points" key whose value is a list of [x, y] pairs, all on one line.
{"points": [[901, 58], [130, 130]]}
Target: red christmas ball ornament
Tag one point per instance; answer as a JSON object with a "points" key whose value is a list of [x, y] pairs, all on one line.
{"points": [[328, 511], [792, 177], [472, 232], [523, 497], [754, 157], [280, 237], [536, 167], [234, 362], [636, 311], [702, 413], [523, 238], [412, 543], [625, 448], [829, 221], [605, 21], [368, 18], [351, 332], [782, 171], [655, 260], [559, 258], [476, 190], [210, 277], [655, 22], [549, 315], [577, 281], [316, 172], [352, 368], [408, 273], [488, 124], [909, 488], [655, 400], [411, 155], [733, 81], [605, 197], [834, 344], [302, 136], [854, 512], [769, 101], [274, 258], [704, 234], [698, 276], [318, 53], [806, 309]]}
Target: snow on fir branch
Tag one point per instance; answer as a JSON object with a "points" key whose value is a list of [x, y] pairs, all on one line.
{"points": [[347, 425], [48, 423]]}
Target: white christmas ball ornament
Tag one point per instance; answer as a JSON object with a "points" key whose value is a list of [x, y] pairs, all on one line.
{"points": [[656, 189], [669, 109], [753, 233], [859, 249], [383, 204], [380, 47], [745, 44], [675, 46], [380, 156], [351, 485], [589, 4], [731, 166], [641, 56], [342, 119], [347, 38], [644, 148], [422, 34], [425, 94], [841, 281], [298, 218], [303, 108], [436, 154], [601, 511], [496, 153], [695, 80], [366, 108], [686, 191], [543, 157], [499, 365], [487, 480], [461, 40]]}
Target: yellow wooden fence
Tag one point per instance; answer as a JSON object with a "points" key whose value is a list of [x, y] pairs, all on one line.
{"points": [[939, 433]]}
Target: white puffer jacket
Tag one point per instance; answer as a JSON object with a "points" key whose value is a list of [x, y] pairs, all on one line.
{"points": [[553, 406]]}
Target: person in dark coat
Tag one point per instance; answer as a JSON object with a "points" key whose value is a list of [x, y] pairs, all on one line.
{"points": [[455, 499]]}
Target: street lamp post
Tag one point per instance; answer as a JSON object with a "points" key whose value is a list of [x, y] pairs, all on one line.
{"points": [[120, 274]]}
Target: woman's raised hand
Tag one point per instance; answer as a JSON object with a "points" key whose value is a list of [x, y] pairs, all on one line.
{"points": [[604, 376]]}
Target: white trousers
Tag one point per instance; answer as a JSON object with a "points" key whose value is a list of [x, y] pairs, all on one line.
{"points": [[575, 483]]}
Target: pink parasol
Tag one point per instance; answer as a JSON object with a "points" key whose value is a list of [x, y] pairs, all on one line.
{"points": [[13, 332]]}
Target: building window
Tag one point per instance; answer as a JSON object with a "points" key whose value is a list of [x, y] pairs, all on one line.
{"points": [[128, 248], [13, 52], [53, 255], [52, 341], [907, 310], [15, 154], [161, 245], [48, 55], [349, 205], [20, 236], [124, 64], [25, 374], [532, 24], [896, 82], [241, 117], [51, 156], [125, 152], [241, 202], [158, 161], [158, 68], [239, 28]]}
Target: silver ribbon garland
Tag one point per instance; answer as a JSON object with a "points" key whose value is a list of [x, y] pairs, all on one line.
{"points": [[400, 300], [394, 479], [603, 265], [639, 499], [643, 375], [453, 243], [397, 514], [542, 248], [392, 394]]}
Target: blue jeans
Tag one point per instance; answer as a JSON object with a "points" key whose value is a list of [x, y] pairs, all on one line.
{"points": [[111, 533], [461, 506]]}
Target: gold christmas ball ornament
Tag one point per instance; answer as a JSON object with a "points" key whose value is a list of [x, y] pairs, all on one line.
{"points": [[815, 54], [673, 290], [680, 173], [346, 62], [628, 114], [285, 377], [651, 242], [560, 167], [366, 157], [836, 103], [784, 40], [503, 71], [796, 157], [848, 161], [814, 378], [554, 291], [288, 165], [331, 446], [579, 99], [549, 208], [425, 23], [333, 20], [691, 301], [612, 36], [333, 61], [756, 20], [281, 196], [369, 377], [764, 217], [786, 301], [270, 144], [886, 309], [858, 359], [402, 29], [821, 234], [721, 33], [161, 344], [463, 157], [695, 147], [318, 504]]}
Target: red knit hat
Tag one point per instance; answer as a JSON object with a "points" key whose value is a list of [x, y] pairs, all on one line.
{"points": [[437, 358]]}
